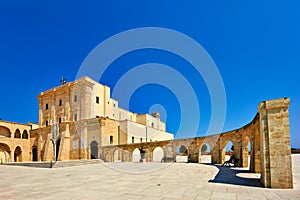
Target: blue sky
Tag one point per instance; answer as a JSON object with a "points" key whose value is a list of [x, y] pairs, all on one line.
{"points": [[254, 44]]}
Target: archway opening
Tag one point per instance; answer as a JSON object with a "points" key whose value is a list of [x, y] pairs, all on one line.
{"points": [[34, 154], [4, 132], [136, 155], [117, 156], [4, 153], [158, 154], [94, 150], [205, 153], [182, 154], [18, 154], [57, 148], [228, 151]]}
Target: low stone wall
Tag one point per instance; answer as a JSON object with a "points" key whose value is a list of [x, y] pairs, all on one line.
{"points": [[32, 164]]}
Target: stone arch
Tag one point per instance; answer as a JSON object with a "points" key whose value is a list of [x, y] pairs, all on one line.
{"points": [[5, 132], [205, 153], [17, 133], [107, 157], [136, 155], [157, 154], [18, 154], [25, 134], [94, 150], [117, 155], [4, 153], [227, 151], [182, 153]]}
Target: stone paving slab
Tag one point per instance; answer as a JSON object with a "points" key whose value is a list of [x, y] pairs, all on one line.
{"points": [[139, 181]]}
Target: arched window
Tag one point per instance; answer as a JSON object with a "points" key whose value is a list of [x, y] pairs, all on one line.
{"points": [[17, 134], [25, 134]]}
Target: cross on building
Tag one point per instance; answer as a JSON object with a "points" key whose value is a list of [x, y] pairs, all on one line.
{"points": [[63, 80]]}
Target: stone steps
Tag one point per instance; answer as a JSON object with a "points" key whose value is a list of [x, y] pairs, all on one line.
{"points": [[71, 163]]}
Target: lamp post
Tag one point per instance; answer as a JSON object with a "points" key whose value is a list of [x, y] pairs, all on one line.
{"points": [[54, 131]]}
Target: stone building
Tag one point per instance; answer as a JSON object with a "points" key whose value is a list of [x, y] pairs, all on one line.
{"points": [[15, 142], [87, 118]]}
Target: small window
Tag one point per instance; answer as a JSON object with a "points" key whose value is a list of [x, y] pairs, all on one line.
{"points": [[141, 140], [97, 100], [108, 102], [132, 140], [111, 139], [114, 105], [60, 102], [75, 98], [25, 134], [152, 125], [75, 117], [46, 107], [46, 122], [59, 120]]}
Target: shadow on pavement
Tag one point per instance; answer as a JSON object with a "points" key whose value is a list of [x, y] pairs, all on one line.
{"points": [[236, 176]]}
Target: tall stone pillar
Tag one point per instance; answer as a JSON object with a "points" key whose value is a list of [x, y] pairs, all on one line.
{"points": [[275, 149], [65, 144]]}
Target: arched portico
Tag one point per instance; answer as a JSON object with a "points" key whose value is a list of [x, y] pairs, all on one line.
{"points": [[18, 154], [5, 153]]}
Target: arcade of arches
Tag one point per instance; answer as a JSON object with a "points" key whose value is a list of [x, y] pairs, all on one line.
{"points": [[268, 135]]}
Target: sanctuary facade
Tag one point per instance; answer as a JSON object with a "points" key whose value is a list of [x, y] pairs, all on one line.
{"points": [[87, 118]]}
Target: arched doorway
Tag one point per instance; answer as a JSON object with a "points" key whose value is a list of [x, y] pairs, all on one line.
{"points": [[205, 154], [136, 155], [158, 154], [182, 154], [34, 154], [117, 156], [4, 153], [18, 154], [57, 148], [228, 151], [94, 150]]}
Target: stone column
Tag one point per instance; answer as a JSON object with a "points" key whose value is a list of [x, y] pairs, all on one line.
{"points": [[65, 144], [275, 149]]}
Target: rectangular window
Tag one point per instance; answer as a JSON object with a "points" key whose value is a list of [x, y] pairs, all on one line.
{"points": [[111, 139], [60, 102], [75, 117], [132, 140], [75, 144], [75, 98], [82, 143], [59, 120], [46, 106], [97, 100], [46, 123], [141, 140]]}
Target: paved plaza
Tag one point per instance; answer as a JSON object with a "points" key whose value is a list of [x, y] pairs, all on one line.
{"points": [[140, 181]]}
